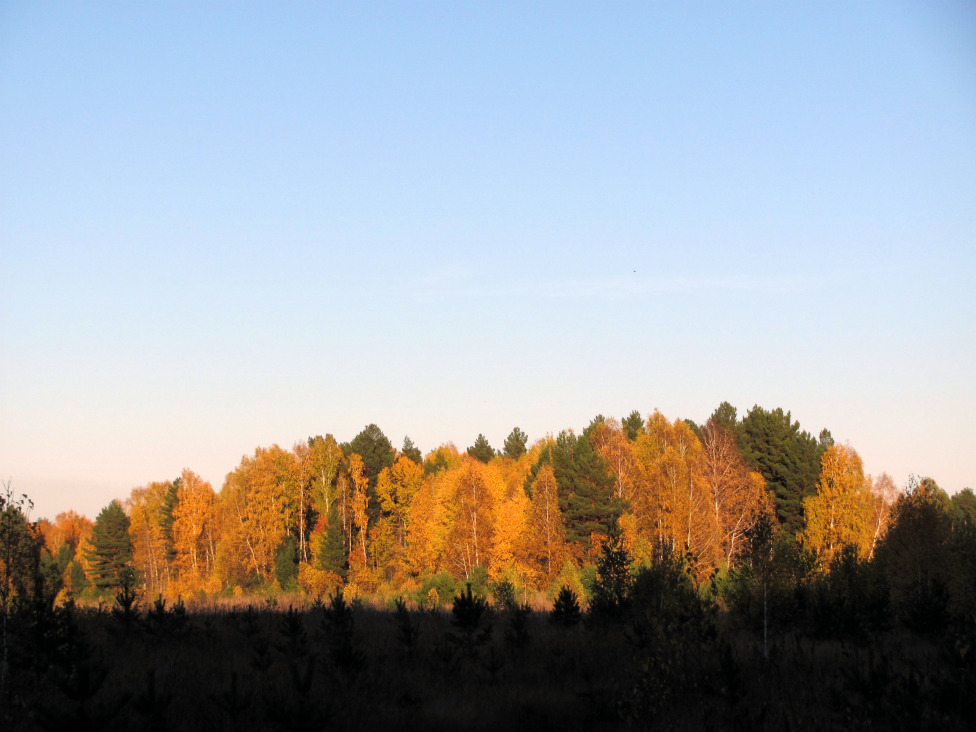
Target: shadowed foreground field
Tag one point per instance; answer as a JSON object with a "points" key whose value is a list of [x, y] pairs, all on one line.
{"points": [[333, 666]]}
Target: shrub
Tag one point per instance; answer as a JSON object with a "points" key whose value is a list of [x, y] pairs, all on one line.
{"points": [[611, 594], [503, 593], [471, 617], [566, 610]]}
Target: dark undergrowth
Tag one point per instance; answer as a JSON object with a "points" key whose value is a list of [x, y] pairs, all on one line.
{"points": [[337, 666]]}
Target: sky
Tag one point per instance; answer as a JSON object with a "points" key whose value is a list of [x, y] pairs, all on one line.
{"points": [[225, 225]]}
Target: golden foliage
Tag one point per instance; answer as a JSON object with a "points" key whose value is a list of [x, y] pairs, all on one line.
{"points": [[259, 511], [546, 539], [317, 583], [841, 512], [195, 532], [145, 509], [475, 491], [672, 501], [737, 495]]}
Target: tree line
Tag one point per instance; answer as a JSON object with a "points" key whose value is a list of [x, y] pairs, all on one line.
{"points": [[376, 520]]}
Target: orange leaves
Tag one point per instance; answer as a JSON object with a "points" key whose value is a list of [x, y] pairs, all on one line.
{"points": [[195, 529], [149, 546], [737, 495], [257, 498], [319, 583], [68, 528], [547, 529], [672, 502], [842, 512], [476, 490], [610, 440]]}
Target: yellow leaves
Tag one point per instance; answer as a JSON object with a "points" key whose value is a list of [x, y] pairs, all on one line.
{"points": [[257, 499], [396, 487], [547, 530], [360, 505], [68, 528], [610, 440], [324, 460], [317, 583], [738, 496], [476, 489], [637, 545], [428, 524], [145, 509], [194, 531], [671, 503], [511, 516], [841, 513]]}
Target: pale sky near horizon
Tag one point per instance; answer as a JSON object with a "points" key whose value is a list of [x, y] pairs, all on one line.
{"points": [[226, 225]]}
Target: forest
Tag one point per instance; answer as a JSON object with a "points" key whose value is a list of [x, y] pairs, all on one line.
{"points": [[642, 573]]}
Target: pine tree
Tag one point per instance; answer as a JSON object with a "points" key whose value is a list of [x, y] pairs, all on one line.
{"points": [[788, 458], [332, 554], [411, 451], [585, 489], [170, 502], [611, 595], [481, 449], [111, 546], [633, 424], [515, 443]]}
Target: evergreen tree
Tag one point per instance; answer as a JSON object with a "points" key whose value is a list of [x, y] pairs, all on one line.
{"points": [[585, 487], [788, 458], [286, 564], [481, 449], [374, 448], [963, 508], [633, 424], [170, 501], [377, 453], [724, 416], [332, 554], [917, 558], [411, 451], [611, 594], [112, 546], [515, 443]]}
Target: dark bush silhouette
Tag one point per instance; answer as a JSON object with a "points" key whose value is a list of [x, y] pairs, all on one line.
{"points": [[566, 609]]}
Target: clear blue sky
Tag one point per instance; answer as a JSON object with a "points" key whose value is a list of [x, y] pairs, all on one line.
{"points": [[224, 225]]}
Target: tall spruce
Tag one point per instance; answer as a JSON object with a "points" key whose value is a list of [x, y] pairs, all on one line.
{"points": [[585, 487], [170, 501], [375, 449], [481, 449], [634, 424], [786, 456], [332, 552], [411, 451], [515, 443], [111, 546]]}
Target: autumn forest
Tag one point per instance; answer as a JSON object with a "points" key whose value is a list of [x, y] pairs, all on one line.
{"points": [[709, 556]]}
